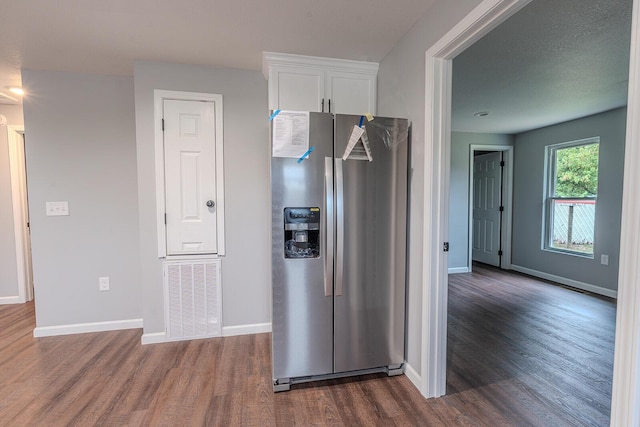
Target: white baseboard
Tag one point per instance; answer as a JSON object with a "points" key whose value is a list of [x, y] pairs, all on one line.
{"points": [[413, 376], [569, 282], [154, 338], [82, 328], [257, 328], [457, 270], [227, 331], [11, 300]]}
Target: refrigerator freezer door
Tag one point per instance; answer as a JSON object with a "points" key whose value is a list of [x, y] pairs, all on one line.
{"points": [[369, 315], [302, 320]]}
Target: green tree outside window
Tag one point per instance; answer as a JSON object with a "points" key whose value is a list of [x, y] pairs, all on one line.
{"points": [[577, 171]]}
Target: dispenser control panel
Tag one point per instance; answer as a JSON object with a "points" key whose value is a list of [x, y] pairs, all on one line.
{"points": [[301, 232]]}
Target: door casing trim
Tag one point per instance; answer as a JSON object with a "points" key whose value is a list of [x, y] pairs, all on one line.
{"points": [[17, 158], [438, 77]]}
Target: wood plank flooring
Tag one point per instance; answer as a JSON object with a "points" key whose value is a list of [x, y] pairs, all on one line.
{"points": [[539, 353], [521, 352]]}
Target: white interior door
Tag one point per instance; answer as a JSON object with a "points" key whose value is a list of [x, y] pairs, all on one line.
{"points": [[190, 177], [487, 187]]}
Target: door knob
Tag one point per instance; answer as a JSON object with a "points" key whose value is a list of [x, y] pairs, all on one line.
{"points": [[210, 203]]}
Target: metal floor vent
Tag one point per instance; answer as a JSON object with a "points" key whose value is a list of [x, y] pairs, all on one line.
{"points": [[192, 299]]}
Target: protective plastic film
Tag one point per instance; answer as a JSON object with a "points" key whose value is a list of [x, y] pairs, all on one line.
{"points": [[391, 131]]}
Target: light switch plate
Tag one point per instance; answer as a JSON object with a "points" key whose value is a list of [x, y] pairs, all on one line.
{"points": [[57, 208], [604, 259]]}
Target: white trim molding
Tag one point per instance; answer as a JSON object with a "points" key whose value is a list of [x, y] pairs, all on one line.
{"points": [[83, 328], [565, 281], [227, 331], [625, 399], [257, 328], [458, 270], [438, 71], [411, 373], [11, 300], [328, 64], [18, 201], [154, 338], [159, 96]]}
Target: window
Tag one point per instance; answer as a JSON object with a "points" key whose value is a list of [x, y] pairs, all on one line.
{"points": [[572, 189]]}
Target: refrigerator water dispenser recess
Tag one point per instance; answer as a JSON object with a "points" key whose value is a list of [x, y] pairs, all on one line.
{"points": [[301, 232]]}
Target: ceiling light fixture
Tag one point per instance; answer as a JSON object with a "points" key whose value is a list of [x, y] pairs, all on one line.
{"points": [[17, 90], [481, 114]]}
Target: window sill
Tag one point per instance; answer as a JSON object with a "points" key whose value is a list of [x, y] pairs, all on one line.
{"points": [[571, 253]]}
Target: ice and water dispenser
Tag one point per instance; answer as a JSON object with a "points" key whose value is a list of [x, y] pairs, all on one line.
{"points": [[301, 232]]}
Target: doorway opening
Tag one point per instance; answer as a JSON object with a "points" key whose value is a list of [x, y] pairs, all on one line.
{"points": [[626, 389], [490, 205], [189, 173], [20, 202]]}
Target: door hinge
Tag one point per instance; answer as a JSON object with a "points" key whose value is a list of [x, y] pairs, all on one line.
{"points": [[162, 125], [165, 219], [445, 246], [501, 208], [499, 253], [502, 163]]}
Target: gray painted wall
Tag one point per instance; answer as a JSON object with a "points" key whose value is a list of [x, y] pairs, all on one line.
{"points": [[246, 273], [401, 88], [80, 148], [459, 191], [529, 190], [8, 272]]}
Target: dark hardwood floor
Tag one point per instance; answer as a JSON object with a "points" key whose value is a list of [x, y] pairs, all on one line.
{"points": [[521, 352]]}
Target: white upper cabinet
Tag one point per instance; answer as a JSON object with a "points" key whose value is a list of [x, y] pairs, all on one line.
{"points": [[307, 83]]}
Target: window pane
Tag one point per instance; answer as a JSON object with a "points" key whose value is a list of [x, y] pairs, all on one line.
{"points": [[576, 171], [573, 224]]}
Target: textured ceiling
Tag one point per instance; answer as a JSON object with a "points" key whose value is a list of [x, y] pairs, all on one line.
{"points": [[106, 36], [551, 62]]}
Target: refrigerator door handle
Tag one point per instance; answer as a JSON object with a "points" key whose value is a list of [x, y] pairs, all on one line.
{"points": [[329, 228], [339, 226]]}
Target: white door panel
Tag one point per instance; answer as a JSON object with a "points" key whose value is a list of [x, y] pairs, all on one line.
{"points": [[190, 176], [487, 187]]}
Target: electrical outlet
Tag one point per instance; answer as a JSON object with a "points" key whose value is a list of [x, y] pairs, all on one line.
{"points": [[103, 283], [604, 259]]}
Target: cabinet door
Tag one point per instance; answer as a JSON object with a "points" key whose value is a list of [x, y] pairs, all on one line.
{"points": [[294, 88], [351, 93]]}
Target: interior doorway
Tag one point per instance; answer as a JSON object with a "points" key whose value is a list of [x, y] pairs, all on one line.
{"points": [[490, 205], [20, 202], [626, 388]]}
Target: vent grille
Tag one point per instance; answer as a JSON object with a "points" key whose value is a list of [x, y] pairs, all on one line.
{"points": [[192, 299]]}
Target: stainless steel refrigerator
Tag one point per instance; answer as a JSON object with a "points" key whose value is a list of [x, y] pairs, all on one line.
{"points": [[338, 248]]}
